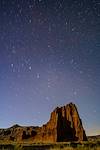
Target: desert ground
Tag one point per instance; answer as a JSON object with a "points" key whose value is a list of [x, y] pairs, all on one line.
{"points": [[90, 145]]}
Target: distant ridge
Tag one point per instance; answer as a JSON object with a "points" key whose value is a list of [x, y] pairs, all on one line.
{"points": [[64, 125], [93, 138]]}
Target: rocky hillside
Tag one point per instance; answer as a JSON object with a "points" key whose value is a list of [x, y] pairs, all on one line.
{"points": [[64, 125], [94, 138]]}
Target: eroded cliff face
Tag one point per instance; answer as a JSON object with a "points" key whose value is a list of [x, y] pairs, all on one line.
{"points": [[64, 125]]}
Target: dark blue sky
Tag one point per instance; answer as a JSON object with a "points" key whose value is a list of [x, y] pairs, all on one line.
{"points": [[49, 56]]}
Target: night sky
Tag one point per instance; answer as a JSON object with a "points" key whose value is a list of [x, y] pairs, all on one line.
{"points": [[49, 56]]}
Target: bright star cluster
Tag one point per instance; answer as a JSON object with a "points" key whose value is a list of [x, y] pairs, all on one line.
{"points": [[49, 56]]}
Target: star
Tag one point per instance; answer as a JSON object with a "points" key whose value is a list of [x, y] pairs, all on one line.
{"points": [[75, 93], [30, 68], [13, 51], [47, 98], [12, 65], [94, 111], [30, 21], [38, 75], [71, 61], [81, 72], [73, 29]]}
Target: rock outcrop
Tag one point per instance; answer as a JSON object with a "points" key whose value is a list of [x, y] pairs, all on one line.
{"points": [[64, 125]]}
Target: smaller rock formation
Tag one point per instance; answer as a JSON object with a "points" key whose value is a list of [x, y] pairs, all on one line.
{"points": [[17, 133]]}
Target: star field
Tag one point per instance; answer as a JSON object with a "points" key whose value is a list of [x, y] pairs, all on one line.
{"points": [[49, 56]]}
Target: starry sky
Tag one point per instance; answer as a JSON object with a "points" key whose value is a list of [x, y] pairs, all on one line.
{"points": [[49, 56]]}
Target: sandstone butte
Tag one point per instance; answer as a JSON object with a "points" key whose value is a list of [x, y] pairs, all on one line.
{"points": [[64, 125]]}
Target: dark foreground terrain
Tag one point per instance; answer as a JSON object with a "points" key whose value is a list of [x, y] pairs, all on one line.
{"points": [[94, 145]]}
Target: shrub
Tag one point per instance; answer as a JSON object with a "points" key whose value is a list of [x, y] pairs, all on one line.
{"points": [[18, 147]]}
